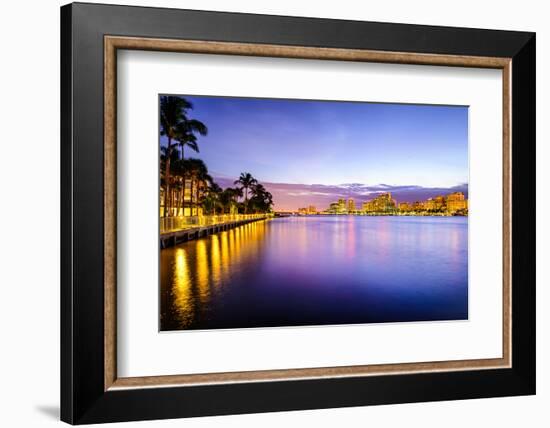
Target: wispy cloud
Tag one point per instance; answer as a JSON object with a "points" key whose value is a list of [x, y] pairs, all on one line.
{"points": [[346, 143], [308, 193]]}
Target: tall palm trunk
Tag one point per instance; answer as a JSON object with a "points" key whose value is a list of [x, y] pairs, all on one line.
{"points": [[192, 197], [197, 193], [183, 195], [180, 205], [183, 186], [167, 198]]}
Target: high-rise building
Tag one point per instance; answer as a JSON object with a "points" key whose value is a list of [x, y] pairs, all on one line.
{"points": [[405, 207], [333, 208], [419, 206], [351, 205], [430, 204], [456, 202], [342, 206], [383, 203], [435, 204], [451, 204], [311, 209], [440, 202]]}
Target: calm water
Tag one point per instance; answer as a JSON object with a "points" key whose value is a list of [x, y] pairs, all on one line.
{"points": [[318, 270]]}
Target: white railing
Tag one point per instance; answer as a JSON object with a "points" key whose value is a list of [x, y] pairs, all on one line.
{"points": [[172, 224]]}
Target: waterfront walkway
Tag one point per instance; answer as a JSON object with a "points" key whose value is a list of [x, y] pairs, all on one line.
{"points": [[175, 230]]}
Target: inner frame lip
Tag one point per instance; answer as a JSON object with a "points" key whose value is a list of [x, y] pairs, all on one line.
{"points": [[113, 43]]}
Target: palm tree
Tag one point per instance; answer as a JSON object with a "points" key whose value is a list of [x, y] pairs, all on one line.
{"points": [[258, 190], [246, 181], [261, 199], [229, 198], [172, 111], [168, 156], [212, 199], [178, 171], [182, 168], [197, 171], [186, 134], [175, 125]]}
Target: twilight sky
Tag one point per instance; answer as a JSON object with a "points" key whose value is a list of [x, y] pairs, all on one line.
{"points": [[313, 152]]}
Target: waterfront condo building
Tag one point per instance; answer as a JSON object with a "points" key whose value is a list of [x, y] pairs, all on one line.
{"points": [[342, 206], [456, 202], [405, 207], [383, 203]]}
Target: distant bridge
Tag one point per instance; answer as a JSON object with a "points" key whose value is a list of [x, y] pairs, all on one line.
{"points": [[284, 213]]}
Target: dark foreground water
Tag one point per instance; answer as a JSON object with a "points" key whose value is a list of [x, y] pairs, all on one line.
{"points": [[318, 270]]}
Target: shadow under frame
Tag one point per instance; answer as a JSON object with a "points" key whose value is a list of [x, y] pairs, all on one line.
{"points": [[90, 389]]}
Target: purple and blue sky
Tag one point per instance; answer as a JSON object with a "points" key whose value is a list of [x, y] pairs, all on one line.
{"points": [[314, 152]]}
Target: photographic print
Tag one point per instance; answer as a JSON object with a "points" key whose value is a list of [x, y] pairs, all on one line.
{"points": [[287, 212]]}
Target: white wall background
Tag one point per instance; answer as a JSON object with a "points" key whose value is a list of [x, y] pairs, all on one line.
{"points": [[29, 235]]}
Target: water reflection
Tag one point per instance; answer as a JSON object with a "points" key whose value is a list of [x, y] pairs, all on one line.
{"points": [[318, 270], [182, 287]]}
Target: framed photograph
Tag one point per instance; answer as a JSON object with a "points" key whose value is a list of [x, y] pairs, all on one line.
{"points": [[266, 213]]}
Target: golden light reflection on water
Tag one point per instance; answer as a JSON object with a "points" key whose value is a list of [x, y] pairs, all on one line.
{"points": [[200, 268], [225, 253], [350, 240], [216, 263], [203, 270], [181, 288], [258, 270]]}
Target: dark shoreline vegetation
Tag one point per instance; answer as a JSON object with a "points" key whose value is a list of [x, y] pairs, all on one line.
{"points": [[186, 187]]}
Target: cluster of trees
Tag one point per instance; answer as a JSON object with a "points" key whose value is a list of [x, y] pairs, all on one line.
{"points": [[255, 198], [186, 184]]}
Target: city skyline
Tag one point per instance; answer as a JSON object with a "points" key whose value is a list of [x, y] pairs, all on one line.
{"points": [[455, 203], [311, 152], [291, 197]]}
